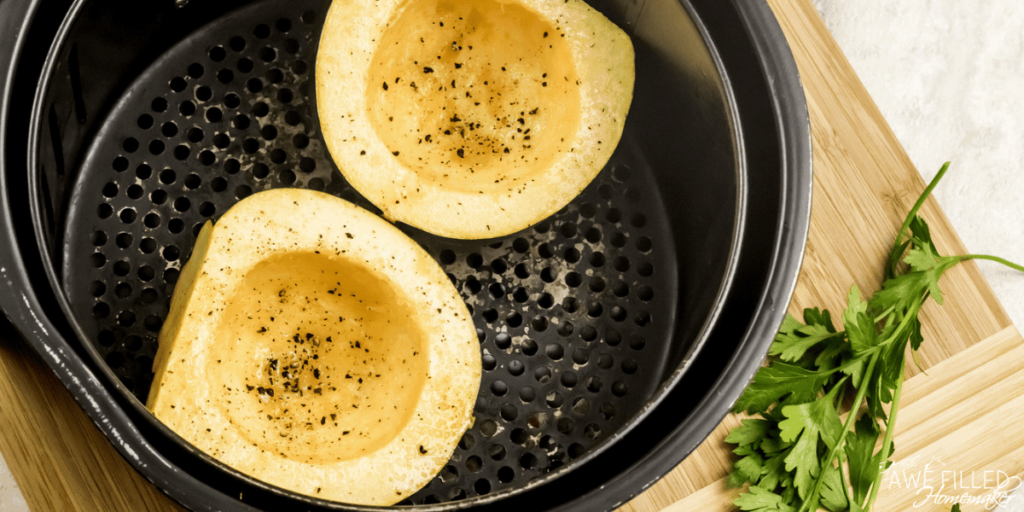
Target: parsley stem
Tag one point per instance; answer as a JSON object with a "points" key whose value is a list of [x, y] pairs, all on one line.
{"points": [[894, 255], [890, 428], [850, 419], [996, 259]]}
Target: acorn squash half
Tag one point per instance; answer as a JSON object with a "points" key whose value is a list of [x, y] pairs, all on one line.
{"points": [[471, 118], [312, 345]]}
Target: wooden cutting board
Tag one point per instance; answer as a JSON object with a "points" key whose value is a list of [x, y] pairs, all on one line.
{"points": [[966, 414]]}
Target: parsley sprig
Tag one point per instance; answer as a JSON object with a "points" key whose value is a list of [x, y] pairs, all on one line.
{"points": [[796, 452]]}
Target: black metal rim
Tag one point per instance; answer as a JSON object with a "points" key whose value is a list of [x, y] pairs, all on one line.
{"points": [[21, 306]]}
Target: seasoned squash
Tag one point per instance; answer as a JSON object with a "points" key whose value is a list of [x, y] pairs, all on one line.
{"points": [[312, 345], [471, 118]]}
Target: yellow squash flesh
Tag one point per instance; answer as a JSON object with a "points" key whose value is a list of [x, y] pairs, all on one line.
{"points": [[312, 345], [471, 118]]}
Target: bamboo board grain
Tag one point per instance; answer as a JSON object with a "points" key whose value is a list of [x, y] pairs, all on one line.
{"points": [[864, 183]]}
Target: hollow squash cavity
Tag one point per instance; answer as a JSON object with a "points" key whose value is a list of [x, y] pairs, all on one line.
{"points": [[476, 95], [318, 358], [314, 346], [471, 118]]}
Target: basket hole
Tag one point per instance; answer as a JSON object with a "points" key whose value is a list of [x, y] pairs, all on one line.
{"points": [[147, 245], [182, 204], [207, 209], [490, 315], [542, 374], [171, 253], [620, 288], [506, 474], [278, 156], [488, 428], [148, 296], [219, 184], [576, 450], [145, 121], [237, 43], [448, 474], [285, 95], [300, 141], [284, 25], [187, 108], [128, 215], [521, 295], [268, 132], [130, 145], [554, 400], [521, 245], [261, 31], [572, 255], [594, 309], [644, 244], [527, 395], [645, 269], [620, 389], [195, 70], [594, 384], [292, 118], [126, 319], [593, 235], [176, 226], [135, 192], [496, 452], [581, 406], [260, 171], [509, 413], [503, 340], [528, 347], [544, 250], [488, 362], [496, 290], [482, 486], [597, 284], [573, 279], [592, 430], [528, 461], [539, 324], [101, 310], [267, 54], [642, 319], [156, 147], [547, 275], [123, 290], [104, 210], [244, 65], [555, 352], [580, 356], [499, 388], [251, 145], [569, 380], [473, 286], [291, 45], [605, 361], [110, 190], [588, 333], [146, 273], [181, 152], [231, 100], [171, 275], [214, 114], [606, 191], [467, 442], [499, 266], [629, 366], [474, 260], [474, 464], [217, 53], [309, 16], [124, 240], [120, 164], [158, 105], [97, 288], [241, 122], [570, 305], [178, 84]]}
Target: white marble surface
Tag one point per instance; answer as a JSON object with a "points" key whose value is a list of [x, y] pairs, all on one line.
{"points": [[948, 75]]}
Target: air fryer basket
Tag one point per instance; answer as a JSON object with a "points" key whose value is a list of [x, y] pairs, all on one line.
{"points": [[152, 117]]}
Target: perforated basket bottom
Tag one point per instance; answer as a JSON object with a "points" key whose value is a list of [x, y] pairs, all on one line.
{"points": [[573, 315]]}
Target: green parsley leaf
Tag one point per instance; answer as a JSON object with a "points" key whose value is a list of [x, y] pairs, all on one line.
{"points": [[772, 383], [805, 423], [757, 499], [750, 431], [860, 453]]}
